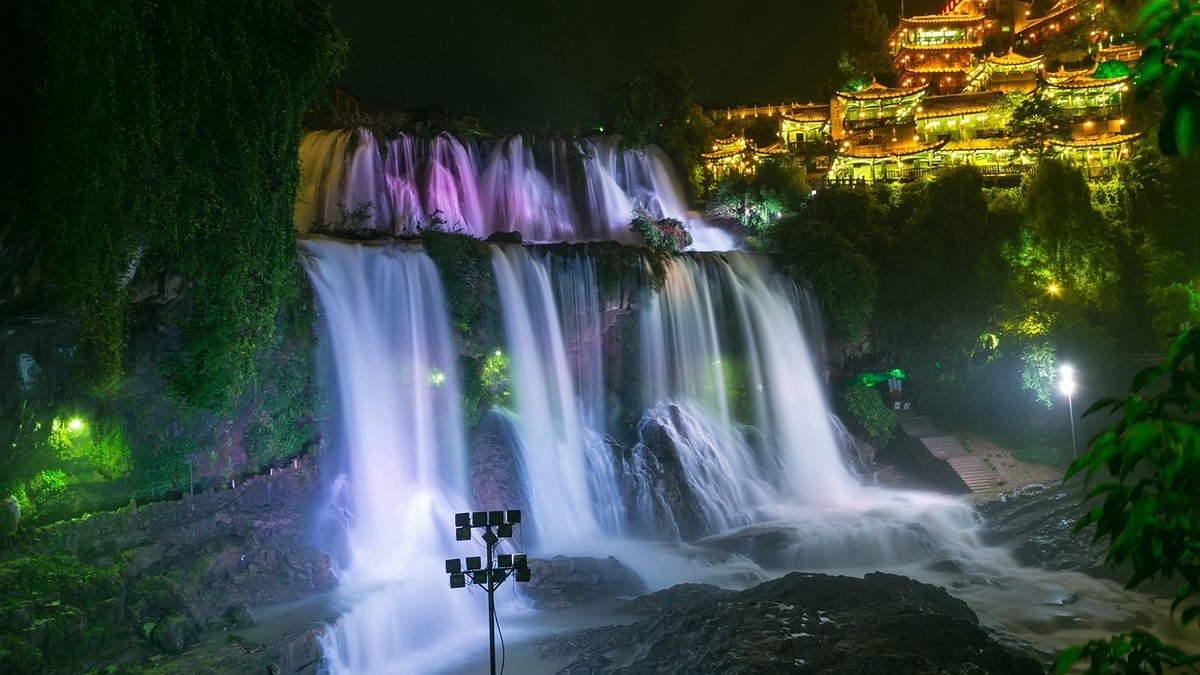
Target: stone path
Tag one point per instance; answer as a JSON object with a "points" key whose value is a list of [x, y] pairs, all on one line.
{"points": [[977, 475]]}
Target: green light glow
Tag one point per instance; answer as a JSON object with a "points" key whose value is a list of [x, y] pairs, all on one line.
{"points": [[436, 377]]}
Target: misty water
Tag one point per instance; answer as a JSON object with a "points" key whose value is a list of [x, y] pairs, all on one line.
{"points": [[728, 372]]}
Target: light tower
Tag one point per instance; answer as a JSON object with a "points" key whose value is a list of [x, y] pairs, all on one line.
{"points": [[496, 525]]}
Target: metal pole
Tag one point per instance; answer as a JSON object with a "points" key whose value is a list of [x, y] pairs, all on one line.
{"points": [[1071, 411], [491, 590]]}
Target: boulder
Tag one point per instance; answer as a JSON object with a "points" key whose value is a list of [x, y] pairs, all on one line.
{"points": [[801, 623], [563, 582]]}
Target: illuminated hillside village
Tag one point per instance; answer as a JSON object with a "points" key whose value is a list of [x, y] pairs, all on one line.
{"points": [[952, 101]]}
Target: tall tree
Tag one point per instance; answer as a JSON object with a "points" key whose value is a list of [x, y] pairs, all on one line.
{"points": [[864, 54]]}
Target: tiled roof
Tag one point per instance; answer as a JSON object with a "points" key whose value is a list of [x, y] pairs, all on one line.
{"points": [[941, 19], [808, 113], [877, 91], [956, 104], [935, 68], [882, 152], [1097, 140], [1014, 59], [978, 144], [945, 46]]}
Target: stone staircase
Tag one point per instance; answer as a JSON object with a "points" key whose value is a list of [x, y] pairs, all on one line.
{"points": [[973, 472]]}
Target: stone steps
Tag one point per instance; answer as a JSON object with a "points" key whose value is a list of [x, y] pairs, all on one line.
{"points": [[972, 470]]}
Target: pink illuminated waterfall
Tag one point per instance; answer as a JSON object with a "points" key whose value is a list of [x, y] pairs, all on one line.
{"points": [[549, 190]]}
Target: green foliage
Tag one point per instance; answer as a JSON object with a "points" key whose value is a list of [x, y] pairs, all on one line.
{"points": [[1035, 123], [841, 276], [667, 233], [166, 144], [1039, 369], [494, 376], [1149, 484], [659, 107], [1065, 242], [50, 591], [46, 484], [109, 453], [866, 407], [758, 200], [1170, 31], [1133, 652]]}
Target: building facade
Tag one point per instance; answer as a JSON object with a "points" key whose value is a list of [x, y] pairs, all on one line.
{"points": [[953, 103]]}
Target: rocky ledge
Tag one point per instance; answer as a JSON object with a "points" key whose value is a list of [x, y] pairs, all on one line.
{"points": [[801, 623]]}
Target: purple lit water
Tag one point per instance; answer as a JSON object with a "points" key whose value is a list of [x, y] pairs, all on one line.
{"points": [[550, 190]]}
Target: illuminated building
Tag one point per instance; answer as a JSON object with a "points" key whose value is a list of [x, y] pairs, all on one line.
{"points": [[952, 103]]}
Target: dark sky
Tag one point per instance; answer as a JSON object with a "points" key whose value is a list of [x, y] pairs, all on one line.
{"points": [[528, 65]]}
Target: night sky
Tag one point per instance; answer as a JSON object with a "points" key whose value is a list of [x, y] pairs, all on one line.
{"points": [[530, 65]]}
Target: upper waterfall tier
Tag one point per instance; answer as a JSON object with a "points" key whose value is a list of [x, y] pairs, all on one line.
{"points": [[552, 190]]}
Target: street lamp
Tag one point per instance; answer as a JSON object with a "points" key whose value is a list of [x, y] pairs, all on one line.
{"points": [[496, 525], [1067, 386]]}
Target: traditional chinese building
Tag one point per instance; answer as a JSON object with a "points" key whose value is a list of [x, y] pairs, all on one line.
{"points": [[952, 104]]}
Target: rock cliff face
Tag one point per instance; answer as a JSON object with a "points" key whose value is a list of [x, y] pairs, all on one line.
{"points": [[801, 623], [171, 570]]}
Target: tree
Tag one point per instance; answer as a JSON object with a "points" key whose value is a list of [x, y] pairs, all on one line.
{"points": [[864, 55], [659, 106], [1170, 30], [1148, 465], [1035, 123]]}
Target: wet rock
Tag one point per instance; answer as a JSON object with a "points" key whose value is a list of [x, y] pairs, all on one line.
{"points": [[173, 633], [505, 237], [496, 475], [801, 623], [1035, 523], [242, 615], [563, 582]]}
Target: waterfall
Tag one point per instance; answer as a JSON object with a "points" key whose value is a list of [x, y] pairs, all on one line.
{"points": [[549, 190], [392, 351]]}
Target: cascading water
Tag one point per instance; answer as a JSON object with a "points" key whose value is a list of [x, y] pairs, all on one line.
{"points": [[551, 190], [723, 466], [393, 356]]}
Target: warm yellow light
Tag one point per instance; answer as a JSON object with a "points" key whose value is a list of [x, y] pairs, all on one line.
{"points": [[1053, 289], [75, 425]]}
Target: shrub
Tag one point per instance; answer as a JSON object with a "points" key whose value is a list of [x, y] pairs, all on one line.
{"points": [[866, 407]]}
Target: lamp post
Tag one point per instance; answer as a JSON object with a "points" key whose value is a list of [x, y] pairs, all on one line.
{"points": [[496, 525], [1067, 386]]}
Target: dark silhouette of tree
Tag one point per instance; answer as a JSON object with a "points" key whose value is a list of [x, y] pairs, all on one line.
{"points": [[864, 51]]}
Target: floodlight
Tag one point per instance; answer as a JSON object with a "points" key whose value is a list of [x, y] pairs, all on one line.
{"points": [[520, 560], [523, 574], [504, 530], [503, 560], [458, 580], [490, 537], [514, 516], [479, 519], [495, 517], [462, 519], [474, 562], [479, 577], [498, 576], [453, 566], [462, 534]]}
